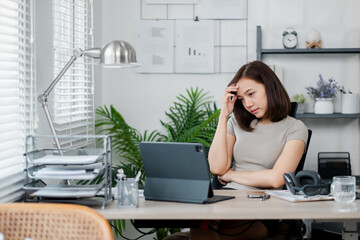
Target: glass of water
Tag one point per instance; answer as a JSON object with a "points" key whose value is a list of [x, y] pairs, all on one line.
{"points": [[343, 188]]}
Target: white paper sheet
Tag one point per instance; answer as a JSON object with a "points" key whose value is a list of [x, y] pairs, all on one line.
{"points": [[155, 46], [194, 50], [288, 196], [64, 193], [55, 173], [52, 159], [91, 166]]}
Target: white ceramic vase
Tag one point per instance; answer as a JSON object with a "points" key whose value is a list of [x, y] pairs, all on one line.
{"points": [[324, 106]]}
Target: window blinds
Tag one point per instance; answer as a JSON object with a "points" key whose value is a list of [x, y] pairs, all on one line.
{"points": [[16, 93], [73, 95]]}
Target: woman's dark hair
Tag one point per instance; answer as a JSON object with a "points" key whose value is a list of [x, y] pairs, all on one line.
{"points": [[278, 100]]}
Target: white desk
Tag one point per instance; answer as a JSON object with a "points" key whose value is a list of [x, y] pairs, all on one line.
{"points": [[239, 208]]}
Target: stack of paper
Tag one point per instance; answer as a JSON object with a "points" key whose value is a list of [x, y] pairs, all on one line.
{"points": [[64, 193], [52, 159], [288, 196], [56, 173]]}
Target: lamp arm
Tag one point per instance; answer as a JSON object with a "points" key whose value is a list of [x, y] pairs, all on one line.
{"points": [[43, 97], [93, 53]]}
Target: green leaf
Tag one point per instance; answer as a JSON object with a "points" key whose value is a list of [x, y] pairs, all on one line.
{"points": [[119, 225]]}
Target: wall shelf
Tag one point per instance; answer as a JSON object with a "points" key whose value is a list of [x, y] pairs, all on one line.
{"points": [[335, 115], [260, 51]]}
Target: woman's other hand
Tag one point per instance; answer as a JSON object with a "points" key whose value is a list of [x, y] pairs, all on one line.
{"points": [[222, 182], [225, 178]]}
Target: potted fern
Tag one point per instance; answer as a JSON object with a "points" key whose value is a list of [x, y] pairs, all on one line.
{"points": [[192, 118]]}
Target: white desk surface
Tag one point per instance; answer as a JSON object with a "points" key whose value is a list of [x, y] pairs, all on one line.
{"points": [[239, 208]]}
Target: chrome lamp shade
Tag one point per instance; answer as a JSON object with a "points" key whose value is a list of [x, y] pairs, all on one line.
{"points": [[118, 54]]}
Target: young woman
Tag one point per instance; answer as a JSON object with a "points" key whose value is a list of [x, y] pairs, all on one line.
{"points": [[260, 137], [255, 146]]}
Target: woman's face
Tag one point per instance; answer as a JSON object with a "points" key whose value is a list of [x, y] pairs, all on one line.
{"points": [[253, 96]]}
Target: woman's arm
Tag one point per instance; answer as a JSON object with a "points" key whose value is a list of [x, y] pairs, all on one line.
{"points": [[270, 178], [221, 149]]}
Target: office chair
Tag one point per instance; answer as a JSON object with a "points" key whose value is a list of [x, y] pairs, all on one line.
{"points": [[44, 221], [294, 107], [303, 157], [216, 183], [292, 113]]}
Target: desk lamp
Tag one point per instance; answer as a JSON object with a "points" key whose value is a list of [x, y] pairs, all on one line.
{"points": [[116, 54]]}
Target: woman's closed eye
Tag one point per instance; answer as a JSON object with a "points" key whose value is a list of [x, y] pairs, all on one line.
{"points": [[250, 94]]}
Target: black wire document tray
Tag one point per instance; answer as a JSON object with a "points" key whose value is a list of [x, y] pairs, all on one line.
{"points": [[76, 174]]}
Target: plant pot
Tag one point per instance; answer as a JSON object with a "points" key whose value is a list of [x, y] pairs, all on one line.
{"points": [[324, 106], [350, 103], [301, 108]]}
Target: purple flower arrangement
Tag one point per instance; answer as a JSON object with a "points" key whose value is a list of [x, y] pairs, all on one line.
{"points": [[324, 89]]}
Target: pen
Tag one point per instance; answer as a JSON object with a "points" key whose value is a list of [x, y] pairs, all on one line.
{"points": [[137, 177]]}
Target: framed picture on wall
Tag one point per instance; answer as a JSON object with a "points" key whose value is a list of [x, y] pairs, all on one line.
{"points": [[155, 46], [194, 51]]}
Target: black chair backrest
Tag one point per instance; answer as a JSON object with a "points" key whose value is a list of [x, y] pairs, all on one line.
{"points": [[293, 109], [300, 166], [292, 113]]}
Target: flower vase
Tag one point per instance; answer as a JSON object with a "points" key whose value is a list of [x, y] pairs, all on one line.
{"points": [[324, 106]]}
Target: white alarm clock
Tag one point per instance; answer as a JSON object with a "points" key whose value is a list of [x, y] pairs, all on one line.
{"points": [[290, 39]]}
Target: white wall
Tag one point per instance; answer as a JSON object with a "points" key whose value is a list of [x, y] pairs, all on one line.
{"points": [[143, 98]]}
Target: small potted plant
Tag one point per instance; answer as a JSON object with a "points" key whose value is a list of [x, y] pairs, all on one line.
{"points": [[300, 99], [323, 95]]}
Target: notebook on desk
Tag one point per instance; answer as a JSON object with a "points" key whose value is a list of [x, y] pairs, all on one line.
{"points": [[177, 172]]}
